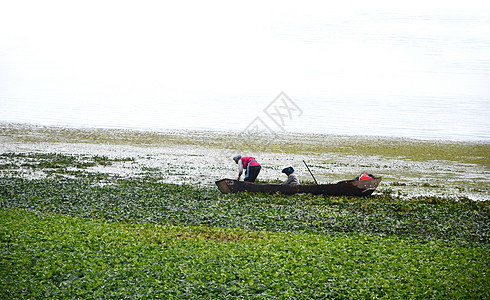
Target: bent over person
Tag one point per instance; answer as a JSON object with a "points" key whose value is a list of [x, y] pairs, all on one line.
{"points": [[250, 165]]}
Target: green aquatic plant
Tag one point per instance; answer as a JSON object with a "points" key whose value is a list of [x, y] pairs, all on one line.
{"points": [[78, 226], [442, 168], [58, 161], [417, 150], [47, 255], [148, 200]]}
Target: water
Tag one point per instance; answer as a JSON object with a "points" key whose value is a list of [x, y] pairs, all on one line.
{"points": [[436, 118], [418, 71]]}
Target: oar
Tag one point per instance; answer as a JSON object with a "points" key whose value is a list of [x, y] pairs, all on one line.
{"points": [[310, 172]]}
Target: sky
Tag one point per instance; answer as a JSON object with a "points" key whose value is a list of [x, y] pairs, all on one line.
{"points": [[168, 63]]}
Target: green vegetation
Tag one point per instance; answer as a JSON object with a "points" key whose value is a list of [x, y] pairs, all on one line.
{"points": [[108, 226], [65, 238], [147, 200], [56, 161], [56, 256]]}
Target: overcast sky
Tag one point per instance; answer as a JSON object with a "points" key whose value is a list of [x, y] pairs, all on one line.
{"points": [[118, 54]]}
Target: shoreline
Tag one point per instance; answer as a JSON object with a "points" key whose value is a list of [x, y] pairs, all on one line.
{"points": [[231, 131]]}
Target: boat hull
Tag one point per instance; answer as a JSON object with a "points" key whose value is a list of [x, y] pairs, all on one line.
{"points": [[347, 187]]}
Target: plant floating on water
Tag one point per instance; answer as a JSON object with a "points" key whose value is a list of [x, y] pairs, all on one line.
{"points": [[57, 256], [148, 200], [112, 236]]}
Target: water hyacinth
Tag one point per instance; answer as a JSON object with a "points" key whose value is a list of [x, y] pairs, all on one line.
{"points": [[128, 220]]}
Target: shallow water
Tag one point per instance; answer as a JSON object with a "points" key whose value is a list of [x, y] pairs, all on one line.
{"points": [[201, 158]]}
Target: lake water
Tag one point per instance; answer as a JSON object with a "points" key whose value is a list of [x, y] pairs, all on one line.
{"points": [[418, 71], [434, 118]]}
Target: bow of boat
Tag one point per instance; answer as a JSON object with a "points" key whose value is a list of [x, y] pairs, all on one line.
{"points": [[224, 185]]}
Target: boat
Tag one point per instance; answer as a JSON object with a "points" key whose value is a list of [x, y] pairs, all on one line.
{"points": [[341, 188]]}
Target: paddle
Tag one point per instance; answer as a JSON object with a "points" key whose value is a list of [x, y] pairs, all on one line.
{"points": [[310, 172]]}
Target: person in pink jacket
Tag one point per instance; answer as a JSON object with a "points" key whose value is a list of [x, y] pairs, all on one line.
{"points": [[250, 165]]}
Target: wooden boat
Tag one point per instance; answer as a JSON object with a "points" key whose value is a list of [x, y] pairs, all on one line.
{"points": [[346, 187]]}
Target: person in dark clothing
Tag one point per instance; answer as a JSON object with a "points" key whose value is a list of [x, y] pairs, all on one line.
{"points": [[250, 165]]}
